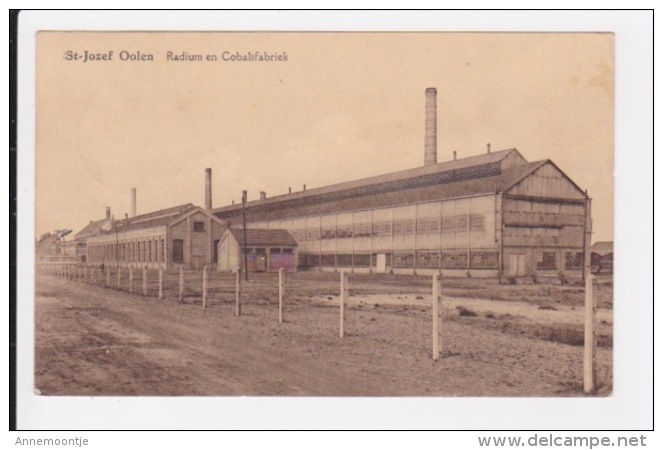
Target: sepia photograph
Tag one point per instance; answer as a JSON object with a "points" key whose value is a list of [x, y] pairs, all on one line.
{"points": [[339, 214], [318, 220]]}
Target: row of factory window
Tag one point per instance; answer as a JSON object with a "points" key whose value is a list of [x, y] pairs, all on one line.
{"points": [[143, 251], [548, 261], [512, 205], [434, 259], [424, 259], [407, 227]]}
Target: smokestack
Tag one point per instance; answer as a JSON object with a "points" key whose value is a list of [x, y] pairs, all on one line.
{"points": [[430, 139], [263, 195], [133, 202], [488, 147], [304, 186], [108, 213], [455, 155], [289, 190], [126, 218], [208, 189]]}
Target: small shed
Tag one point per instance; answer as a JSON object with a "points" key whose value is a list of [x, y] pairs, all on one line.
{"points": [[602, 255], [266, 250]]}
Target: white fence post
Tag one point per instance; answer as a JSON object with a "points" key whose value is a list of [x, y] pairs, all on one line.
{"points": [[590, 336], [343, 298], [436, 317], [181, 283], [238, 292], [160, 283], [145, 281], [281, 293], [204, 287]]}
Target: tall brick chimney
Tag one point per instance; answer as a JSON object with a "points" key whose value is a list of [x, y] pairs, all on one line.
{"points": [[430, 139], [208, 189], [133, 202]]}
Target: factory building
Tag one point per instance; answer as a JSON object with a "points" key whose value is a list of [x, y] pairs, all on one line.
{"points": [[266, 250], [184, 235], [485, 215]]}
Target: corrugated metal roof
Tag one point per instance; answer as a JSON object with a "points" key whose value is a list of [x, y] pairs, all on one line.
{"points": [[491, 182], [471, 167], [153, 219], [602, 248], [263, 237], [90, 229]]}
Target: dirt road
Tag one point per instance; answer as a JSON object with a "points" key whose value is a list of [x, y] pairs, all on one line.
{"points": [[95, 341]]}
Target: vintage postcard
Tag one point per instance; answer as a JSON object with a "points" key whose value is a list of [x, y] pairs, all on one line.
{"points": [[267, 228], [323, 214]]}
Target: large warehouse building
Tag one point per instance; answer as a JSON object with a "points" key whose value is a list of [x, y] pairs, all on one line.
{"points": [[485, 215]]}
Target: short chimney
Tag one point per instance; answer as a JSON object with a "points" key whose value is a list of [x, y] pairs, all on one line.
{"points": [[289, 190], [430, 139], [208, 188], [488, 147], [263, 195], [133, 202], [304, 186], [455, 154], [108, 215], [126, 218], [233, 202]]}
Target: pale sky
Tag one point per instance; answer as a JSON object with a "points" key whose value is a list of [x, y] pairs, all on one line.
{"points": [[344, 106]]}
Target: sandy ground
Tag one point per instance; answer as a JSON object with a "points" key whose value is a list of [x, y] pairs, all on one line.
{"points": [[96, 341]]}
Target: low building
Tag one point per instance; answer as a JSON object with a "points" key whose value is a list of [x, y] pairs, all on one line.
{"points": [[602, 257], [184, 235], [266, 250]]}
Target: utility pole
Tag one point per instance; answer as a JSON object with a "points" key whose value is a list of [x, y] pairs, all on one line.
{"points": [[246, 267]]}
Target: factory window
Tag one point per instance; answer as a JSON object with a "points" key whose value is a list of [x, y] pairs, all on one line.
{"points": [[434, 226], [382, 229], [404, 260], [199, 226], [344, 231], [362, 230], [260, 251], [275, 251], [327, 259], [548, 261], [428, 259], [484, 259], [361, 260], [477, 222], [448, 225], [328, 233], [163, 250], [422, 226], [573, 260], [344, 259], [403, 227], [287, 251], [374, 259], [178, 250], [461, 223], [454, 260], [313, 234], [149, 251]]}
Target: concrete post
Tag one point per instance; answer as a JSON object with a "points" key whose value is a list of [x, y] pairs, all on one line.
{"points": [[281, 293], [343, 298], [181, 283], [589, 370], [131, 279], [160, 283], [204, 287], [238, 292], [437, 309], [119, 278], [145, 281]]}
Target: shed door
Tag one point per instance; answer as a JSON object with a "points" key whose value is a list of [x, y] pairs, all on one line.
{"points": [[517, 265], [178, 250], [381, 263]]}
